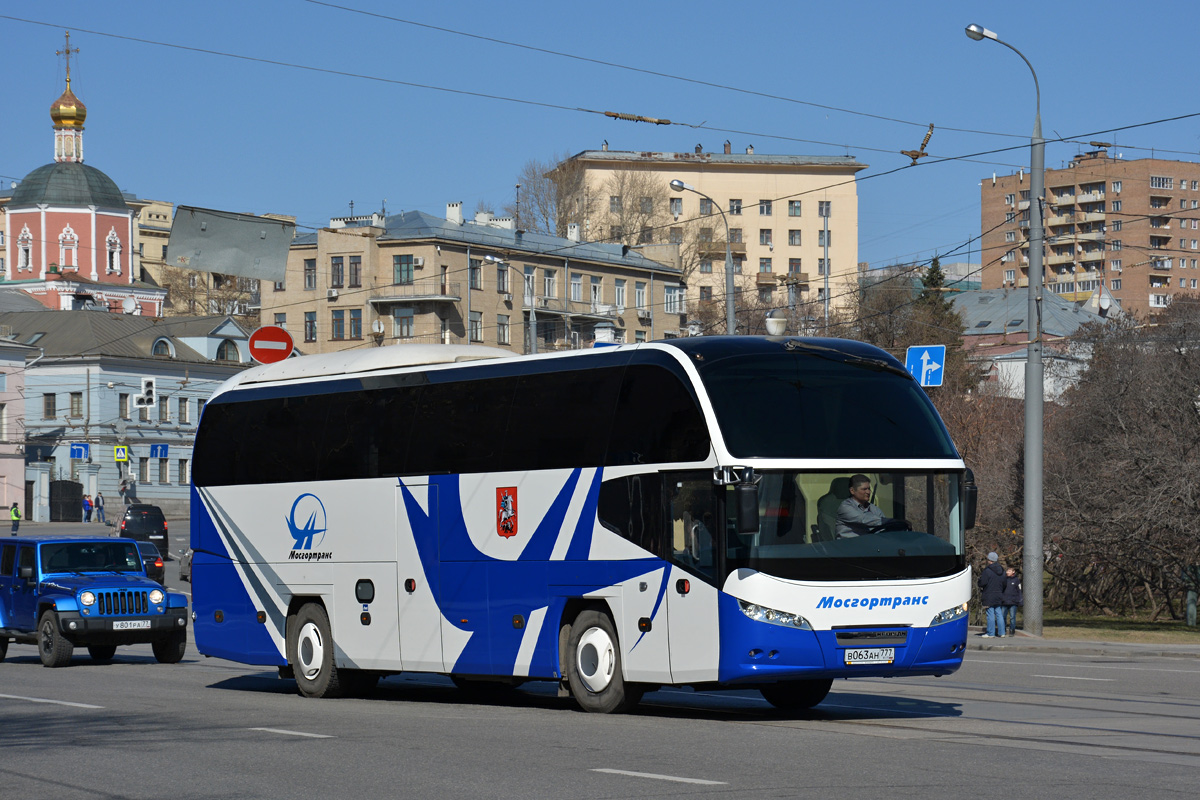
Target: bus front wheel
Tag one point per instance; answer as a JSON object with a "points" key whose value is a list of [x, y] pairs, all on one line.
{"points": [[310, 653], [594, 666], [795, 695]]}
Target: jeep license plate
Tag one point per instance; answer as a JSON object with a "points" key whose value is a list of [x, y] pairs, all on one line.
{"points": [[871, 655], [130, 624]]}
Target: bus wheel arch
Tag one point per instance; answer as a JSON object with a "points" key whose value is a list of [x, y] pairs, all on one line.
{"points": [[593, 664], [310, 650]]}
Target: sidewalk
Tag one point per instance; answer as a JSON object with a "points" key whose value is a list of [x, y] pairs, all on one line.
{"points": [[1026, 643]]}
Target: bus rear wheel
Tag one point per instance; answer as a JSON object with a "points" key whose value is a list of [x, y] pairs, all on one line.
{"points": [[594, 666], [795, 695], [310, 653]]}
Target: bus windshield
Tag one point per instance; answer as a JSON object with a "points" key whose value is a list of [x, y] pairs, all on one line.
{"points": [[811, 528], [821, 403]]}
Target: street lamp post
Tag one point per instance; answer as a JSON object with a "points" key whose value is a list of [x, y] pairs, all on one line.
{"points": [[1033, 364], [730, 320]]}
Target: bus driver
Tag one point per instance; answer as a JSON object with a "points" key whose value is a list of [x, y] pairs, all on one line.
{"points": [[857, 515]]}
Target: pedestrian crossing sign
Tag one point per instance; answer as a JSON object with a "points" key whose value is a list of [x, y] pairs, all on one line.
{"points": [[121, 453]]}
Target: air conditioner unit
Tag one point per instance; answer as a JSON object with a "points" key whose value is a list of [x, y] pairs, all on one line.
{"points": [[331, 294], [418, 261], [506, 297]]}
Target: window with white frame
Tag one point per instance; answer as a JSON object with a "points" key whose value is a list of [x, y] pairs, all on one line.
{"points": [[597, 291], [549, 283], [673, 301], [793, 208], [1010, 275], [181, 410], [735, 207], [1116, 187], [576, 287], [502, 278], [619, 293], [476, 323], [1161, 182], [676, 206], [68, 244], [1159, 300], [112, 244], [639, 295], [1010, 236], [1115, 284], [164, 470], [765, 208]]}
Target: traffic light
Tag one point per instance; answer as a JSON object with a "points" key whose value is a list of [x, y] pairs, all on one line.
{"points": [[149, 397]]}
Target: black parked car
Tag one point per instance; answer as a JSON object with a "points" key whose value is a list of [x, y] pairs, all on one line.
{"points": [[155, 569], [145, 523]]}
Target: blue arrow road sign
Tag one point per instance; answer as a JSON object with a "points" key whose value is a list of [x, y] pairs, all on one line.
{"points": [[79, 450], [925, 363], [158, 451]]}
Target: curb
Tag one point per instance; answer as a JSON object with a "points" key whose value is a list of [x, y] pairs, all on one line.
{"points": [[1083, 648]]}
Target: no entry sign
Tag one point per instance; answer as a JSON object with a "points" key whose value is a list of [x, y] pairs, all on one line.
{"points": [[270, 343]]}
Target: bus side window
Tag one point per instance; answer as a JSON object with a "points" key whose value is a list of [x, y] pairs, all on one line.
{"points": [[657, 420], [632, 507]]}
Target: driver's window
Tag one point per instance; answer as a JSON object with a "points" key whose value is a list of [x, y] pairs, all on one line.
{"points": [[692, 521], [25, 558]]}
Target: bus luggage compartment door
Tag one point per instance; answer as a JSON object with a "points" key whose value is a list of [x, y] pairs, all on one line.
{"points": [[417, 579]]}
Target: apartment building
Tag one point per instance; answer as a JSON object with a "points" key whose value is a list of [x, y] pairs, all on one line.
{"points": [[1130, 227], [372, 280], [777, 208]]}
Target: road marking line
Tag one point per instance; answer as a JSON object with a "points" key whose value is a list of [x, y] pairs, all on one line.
{"points": [[653, 776], [51, 702], [1075, 678], [1094, 665], [293, 733]]}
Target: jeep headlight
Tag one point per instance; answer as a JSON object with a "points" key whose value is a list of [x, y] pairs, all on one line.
{"points": [[156, 596], [773, 617], [88, 599], [949, 615]]}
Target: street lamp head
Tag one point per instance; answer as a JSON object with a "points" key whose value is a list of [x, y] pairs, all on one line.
{"points": [[978, 32], [493, 259], [680, 186]]}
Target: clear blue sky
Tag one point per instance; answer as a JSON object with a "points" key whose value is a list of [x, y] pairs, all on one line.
{"points": [[197, 128]]}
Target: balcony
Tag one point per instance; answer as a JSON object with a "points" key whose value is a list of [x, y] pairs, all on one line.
{"points": [[765, 279], [433, 290], [1090, 216], [796, 279], [1056, 258], [1023, 205], [600, 312], [1062, 219], [717, 249], [1090, 197], [1092, 236], [1062, 200]]}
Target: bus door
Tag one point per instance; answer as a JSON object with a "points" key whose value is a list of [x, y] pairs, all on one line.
{"points": [[417, 595], [693, 516]]}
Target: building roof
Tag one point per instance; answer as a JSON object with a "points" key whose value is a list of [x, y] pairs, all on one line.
{"points": [[67, 184], [414, 225], [995, 312], [66, 334], [16, 300], [743, 159]]}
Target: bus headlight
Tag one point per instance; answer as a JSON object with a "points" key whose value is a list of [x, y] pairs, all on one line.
{"points": [[88, 599], [773, 617], [156, 597], [949, 615]]}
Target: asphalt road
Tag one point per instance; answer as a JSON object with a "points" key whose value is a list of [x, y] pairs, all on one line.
{"points": [[1008, 723]]}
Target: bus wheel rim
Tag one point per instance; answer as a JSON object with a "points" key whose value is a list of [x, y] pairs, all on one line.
{"points": [[595, 660], [310, 651]]}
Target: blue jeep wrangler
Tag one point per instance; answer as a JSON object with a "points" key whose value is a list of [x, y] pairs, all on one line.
{"points": [[62, 592]]}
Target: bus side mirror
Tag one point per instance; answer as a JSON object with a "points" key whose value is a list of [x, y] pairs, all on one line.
{"points": [[970, 500], [746, 495]]}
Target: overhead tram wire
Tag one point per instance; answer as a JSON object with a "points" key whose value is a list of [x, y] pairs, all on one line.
{"points": [[431, 87], [654, 73]]}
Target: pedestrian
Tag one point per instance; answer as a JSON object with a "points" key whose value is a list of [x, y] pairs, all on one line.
{"points": [[16, 518], [87, 508], [991, 588], [1012, 598], [99, 506]]}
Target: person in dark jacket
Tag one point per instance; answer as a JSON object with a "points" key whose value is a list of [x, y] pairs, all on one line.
{"points": [[991, 588], [1010, 599]]}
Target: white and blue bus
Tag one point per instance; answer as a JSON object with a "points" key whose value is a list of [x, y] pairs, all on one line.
{"points": [[614, 519]]}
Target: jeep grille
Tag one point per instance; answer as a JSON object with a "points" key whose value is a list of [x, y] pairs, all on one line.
{"points": [[119, 603]]}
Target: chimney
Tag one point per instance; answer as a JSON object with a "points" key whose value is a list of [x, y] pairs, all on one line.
{"points": [[483, 217], [573, 231], [749, 149], [454, 212], [728, 147]]}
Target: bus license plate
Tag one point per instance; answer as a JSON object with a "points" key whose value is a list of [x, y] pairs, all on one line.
{"points": [[871, 655], [130, 624]]}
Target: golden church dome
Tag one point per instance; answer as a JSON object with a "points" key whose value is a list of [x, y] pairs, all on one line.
{"points": [[68, 111]]}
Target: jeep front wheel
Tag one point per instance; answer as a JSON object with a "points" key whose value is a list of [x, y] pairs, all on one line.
{"points": [[170, 650], [54, 649]]}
